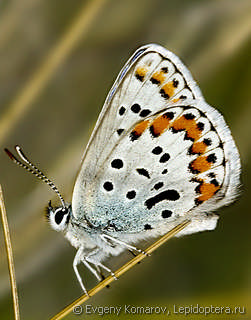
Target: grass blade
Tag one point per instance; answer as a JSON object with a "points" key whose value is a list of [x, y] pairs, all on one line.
{"points": [[9, 256]]}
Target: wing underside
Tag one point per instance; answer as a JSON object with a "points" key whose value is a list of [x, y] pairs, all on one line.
{"points": [[157, 151]]}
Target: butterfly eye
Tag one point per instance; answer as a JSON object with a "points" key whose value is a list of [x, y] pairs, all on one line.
{"points": [[59, 215]]}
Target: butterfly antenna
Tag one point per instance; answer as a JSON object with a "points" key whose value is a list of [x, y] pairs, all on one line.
{"points": [[30, 167]]}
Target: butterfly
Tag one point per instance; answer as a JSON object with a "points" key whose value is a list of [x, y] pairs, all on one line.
{"points": [[158, 154]]}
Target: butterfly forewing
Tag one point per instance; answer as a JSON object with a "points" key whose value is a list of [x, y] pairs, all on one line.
{"points": [[138, 80]]}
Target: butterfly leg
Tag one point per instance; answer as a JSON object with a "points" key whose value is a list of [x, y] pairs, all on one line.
{"points": [[90, 258], [93, 271], [78, 258], [105, 237], [101, 275]]}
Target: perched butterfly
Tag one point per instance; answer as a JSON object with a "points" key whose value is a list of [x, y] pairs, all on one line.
{"points": [[158, 154]]}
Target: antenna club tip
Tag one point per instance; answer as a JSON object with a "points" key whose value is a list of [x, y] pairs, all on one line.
{"points": [[11, 156]]}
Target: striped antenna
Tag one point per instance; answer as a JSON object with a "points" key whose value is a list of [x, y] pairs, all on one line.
{"points": [[30, 167]]}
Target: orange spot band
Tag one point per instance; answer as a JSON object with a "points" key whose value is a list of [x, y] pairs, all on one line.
{"points": [[207, 190], [159, 125], [139, 129], [199, 147], [168, 90], [141, 72], [192, 131], [200, 164], [158, 77]]}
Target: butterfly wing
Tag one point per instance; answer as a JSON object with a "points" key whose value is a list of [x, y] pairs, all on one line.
{"points": [[157, 151]]}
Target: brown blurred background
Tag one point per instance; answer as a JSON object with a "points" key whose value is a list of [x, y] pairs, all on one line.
{"points": [[58, 59]]}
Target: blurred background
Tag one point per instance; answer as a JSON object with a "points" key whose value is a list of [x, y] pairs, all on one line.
{"points": [[58, 60]]}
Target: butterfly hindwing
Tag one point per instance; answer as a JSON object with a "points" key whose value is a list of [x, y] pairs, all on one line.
{"points": [[139, 186]]}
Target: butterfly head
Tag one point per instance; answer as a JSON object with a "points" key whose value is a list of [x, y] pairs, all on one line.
{"points": [[58, 217]]}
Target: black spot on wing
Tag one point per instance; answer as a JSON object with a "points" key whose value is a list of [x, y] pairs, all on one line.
{"points": [[211, 158], [200, 126], [164, 94], [166, 214], [169, 115], [120, 131], [157, 150], [189, 116], [207, 141], [139, 77], [171, 195], [131, 194], [164, 158], [108, 186], [117, 164], [145, 113], [212, 175], [154, 81], [134, 135], [175, 83], [135, 108], [164, 69], [121, 111], [215, 182], [147, 227], [158, 185], [143, 172]]}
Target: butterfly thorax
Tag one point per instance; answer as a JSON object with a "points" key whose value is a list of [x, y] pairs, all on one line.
{"points": [[82, 234]]}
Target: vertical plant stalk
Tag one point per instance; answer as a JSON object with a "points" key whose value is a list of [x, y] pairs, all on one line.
{"points": [[9, 256], [76, 304]]}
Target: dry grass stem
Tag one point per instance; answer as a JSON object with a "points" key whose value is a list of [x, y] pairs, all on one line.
{"points": [[9, 256], [55, 58], [122, 270]]}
